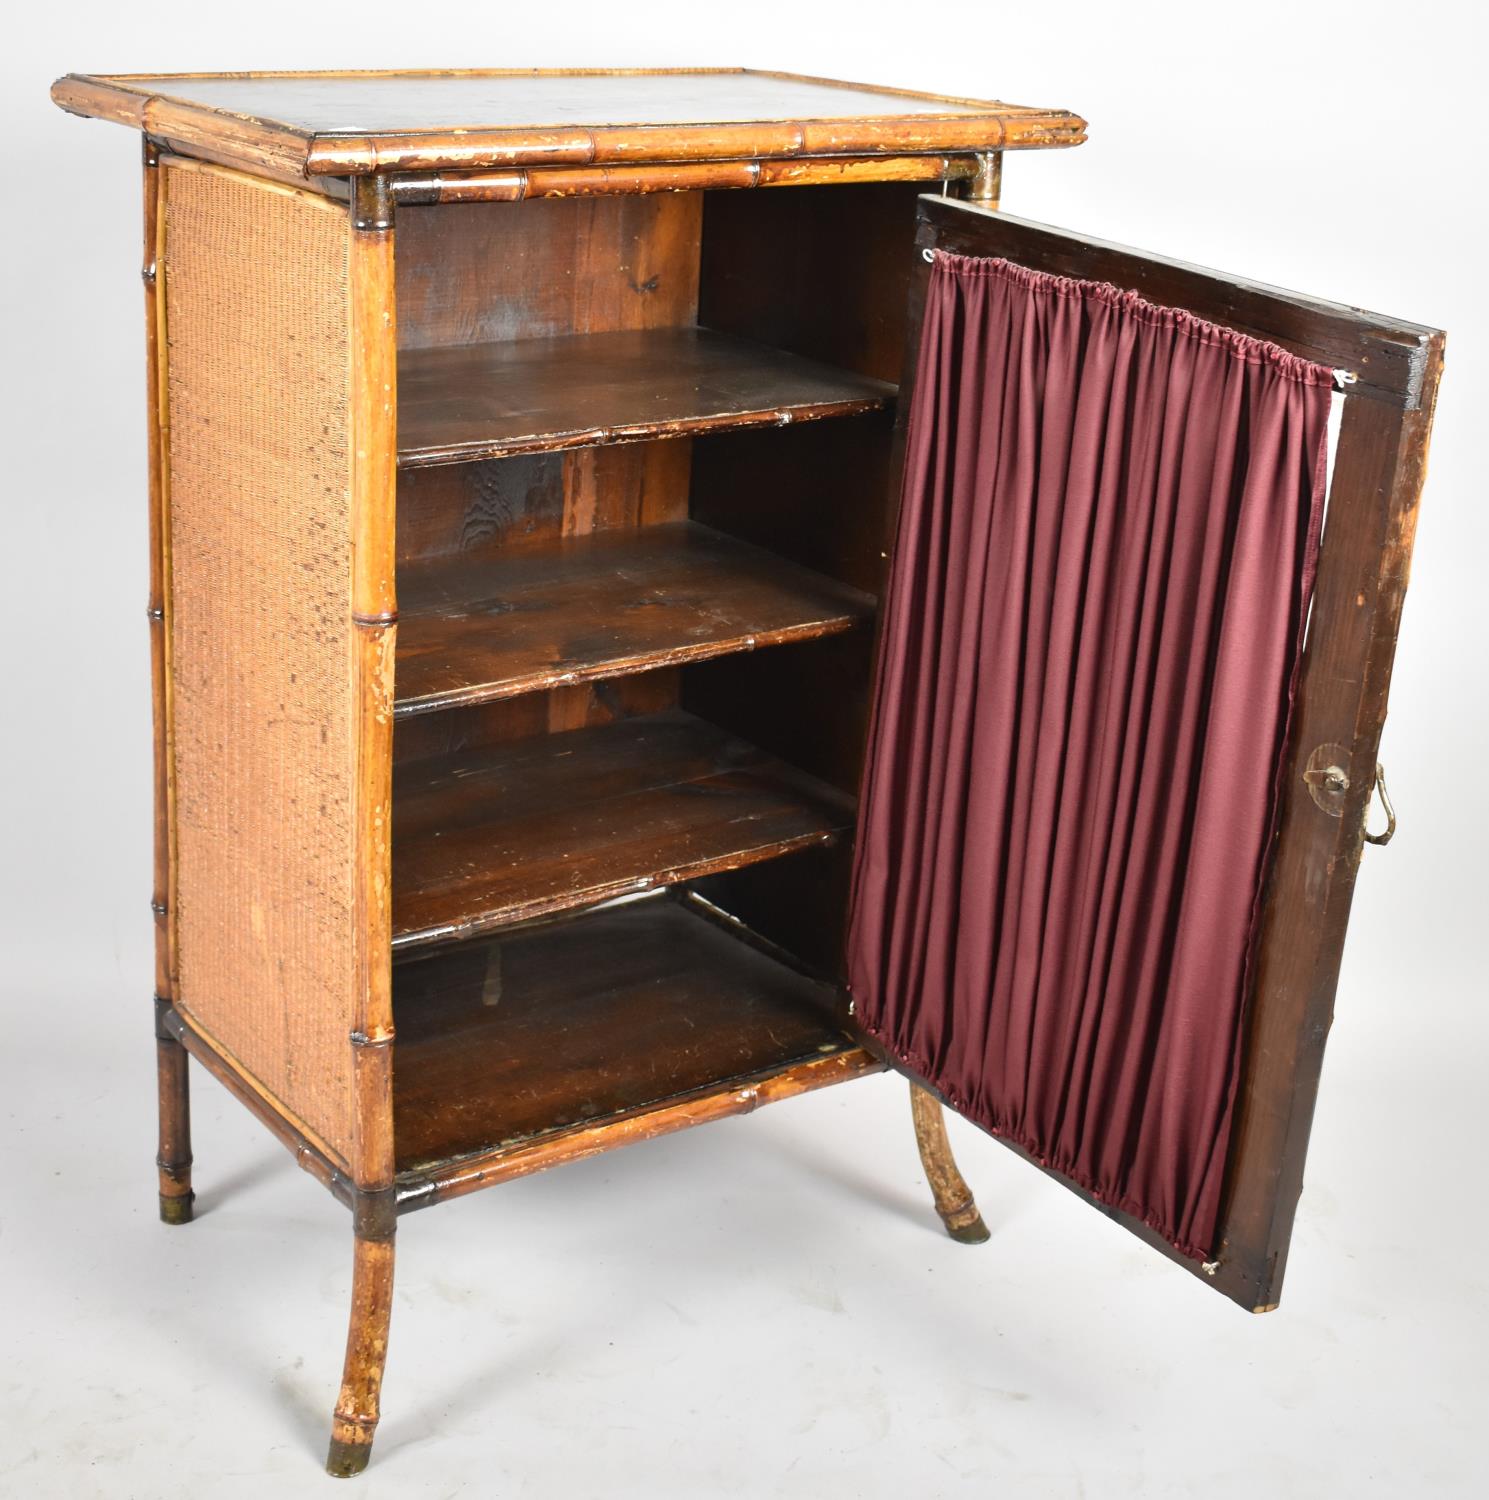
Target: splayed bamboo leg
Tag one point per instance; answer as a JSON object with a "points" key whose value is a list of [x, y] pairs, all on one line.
{"points": [[356, 1416], [954, 1201], [174, 1156]]}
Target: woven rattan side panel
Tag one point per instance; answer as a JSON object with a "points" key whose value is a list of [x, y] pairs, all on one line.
{"points": [[262, 711]]}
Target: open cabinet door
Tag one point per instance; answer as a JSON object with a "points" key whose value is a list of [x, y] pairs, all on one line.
{"points": [[1218, 1143]]}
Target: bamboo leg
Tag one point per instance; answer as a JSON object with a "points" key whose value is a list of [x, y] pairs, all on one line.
{"points": [[356, 1416], [954, 1201], [174, 1156]]}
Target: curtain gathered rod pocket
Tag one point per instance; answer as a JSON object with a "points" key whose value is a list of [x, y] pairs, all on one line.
{"points": [[1343, 379]]}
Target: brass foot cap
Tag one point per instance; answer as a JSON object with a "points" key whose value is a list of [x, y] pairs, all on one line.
{"points": [[975, 1232], [346, 1459], [176, 1210]]}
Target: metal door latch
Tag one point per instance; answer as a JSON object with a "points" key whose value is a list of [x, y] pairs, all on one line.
{"points": [[1328, 781], [1327, 778]]}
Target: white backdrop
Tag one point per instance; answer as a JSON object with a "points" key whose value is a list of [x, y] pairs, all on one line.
{"points": [[765, 1307]]}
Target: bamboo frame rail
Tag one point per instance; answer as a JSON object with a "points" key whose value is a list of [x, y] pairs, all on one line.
{"points": [[424, 1188], [455, 1179], [672, 177]]}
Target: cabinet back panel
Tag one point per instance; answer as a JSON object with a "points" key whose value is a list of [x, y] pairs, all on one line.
{"points": [[821, 271], [526, 501], [258, 472], [807, 703], [549, 712], [798, 902], [818, 493], [533, 498], [472, 273]]}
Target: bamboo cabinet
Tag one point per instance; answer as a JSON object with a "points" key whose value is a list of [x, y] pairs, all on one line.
{"points": [[523, 473]]}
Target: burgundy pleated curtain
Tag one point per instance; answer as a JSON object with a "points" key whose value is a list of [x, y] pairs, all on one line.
{"points": [[1106, 548]]}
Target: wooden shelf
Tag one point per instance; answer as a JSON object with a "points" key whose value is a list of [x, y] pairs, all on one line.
{"points": [[535, 395], [588, 1022], [473, 629], [505, 834]]}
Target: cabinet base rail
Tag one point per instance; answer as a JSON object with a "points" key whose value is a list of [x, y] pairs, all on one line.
{"points": [[421, 1189]]}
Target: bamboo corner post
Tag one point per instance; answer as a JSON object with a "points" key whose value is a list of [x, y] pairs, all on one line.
{"points": [[374, 620], [173, 1153]]}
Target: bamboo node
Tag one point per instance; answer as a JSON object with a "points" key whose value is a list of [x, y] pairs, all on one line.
{"points": [[374, 1214]]}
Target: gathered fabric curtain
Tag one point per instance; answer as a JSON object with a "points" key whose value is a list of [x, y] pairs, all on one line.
{"points": [[1107, 541]]}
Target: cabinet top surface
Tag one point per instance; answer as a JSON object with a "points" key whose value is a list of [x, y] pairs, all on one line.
{"points": [[344, 123]]}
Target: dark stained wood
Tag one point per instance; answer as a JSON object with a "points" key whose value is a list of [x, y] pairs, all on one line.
{"points": [[1341, 697], [605, 605], [799, 904], [458, 508], [445, 512], [486, 273], [808, 705], [821, 271], [719, 1102], [644, 484], [517, 831], [484, 400], [576, 1022], [1379, 467], [420, 736], [816, 493], [494, 625], [1389, 356], [338, 123]]}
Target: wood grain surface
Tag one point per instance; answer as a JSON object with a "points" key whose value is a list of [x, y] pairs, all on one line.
{"points": [[572, 1022], [477, 628], [533, 395], [489, 837]]}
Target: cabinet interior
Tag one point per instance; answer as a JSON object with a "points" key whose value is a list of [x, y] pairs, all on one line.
{"points": [[643, 507]]}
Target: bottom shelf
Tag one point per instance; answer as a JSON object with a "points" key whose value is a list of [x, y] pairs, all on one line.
{"points": [[624, 1023]]}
